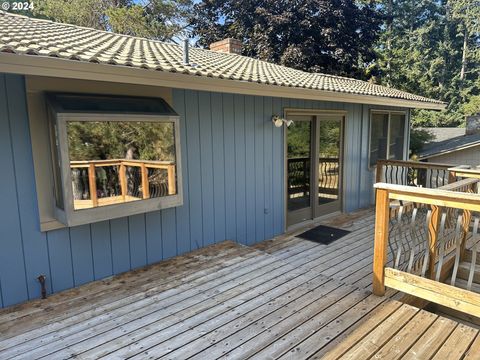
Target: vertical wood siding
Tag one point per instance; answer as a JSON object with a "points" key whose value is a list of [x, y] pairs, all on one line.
{"points": [[233, 170]]}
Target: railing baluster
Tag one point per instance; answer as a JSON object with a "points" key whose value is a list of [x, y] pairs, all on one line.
{"points": [[441, 246], [473, 262], [433, 232], [412, 238], [458, 242], [399, 247], [430, 250]]}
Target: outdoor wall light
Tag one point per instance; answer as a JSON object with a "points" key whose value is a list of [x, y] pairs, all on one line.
{"points": [[279, 122]]}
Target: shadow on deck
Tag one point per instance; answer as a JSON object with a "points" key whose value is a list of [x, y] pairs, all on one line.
{"points": [[283, 298]]}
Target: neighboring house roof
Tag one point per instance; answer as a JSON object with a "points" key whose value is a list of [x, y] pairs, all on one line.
{"points": [[28, 36], [448, 140]]}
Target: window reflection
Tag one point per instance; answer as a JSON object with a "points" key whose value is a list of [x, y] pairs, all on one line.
{"points": [[115, 162]]}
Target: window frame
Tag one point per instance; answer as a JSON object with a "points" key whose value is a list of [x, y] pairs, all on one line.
{"points": [[71, 217], [405, 133]]}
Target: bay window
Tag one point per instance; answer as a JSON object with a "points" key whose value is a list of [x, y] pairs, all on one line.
{"points": [[113, 156]]}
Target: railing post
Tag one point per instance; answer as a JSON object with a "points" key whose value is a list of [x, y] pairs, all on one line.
{"points": [[433, 237], [452, 176], [123, 180], [172, 187], [145, 188], [382, 218], [379, 171], [92, 184]]}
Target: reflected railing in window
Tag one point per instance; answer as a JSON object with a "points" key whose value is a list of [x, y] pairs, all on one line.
{"points": [[106, 182]]}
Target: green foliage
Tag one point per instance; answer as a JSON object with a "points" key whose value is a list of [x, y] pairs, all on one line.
{"points": [[299, 139], [430, 48], [472, 107], [88, 13], [156, 19], [128, 20], [418, 138], [333, 36], [91, 140], [329, 135]]}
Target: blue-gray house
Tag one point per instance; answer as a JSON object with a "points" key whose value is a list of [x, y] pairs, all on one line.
{"points": [[117, 152]]}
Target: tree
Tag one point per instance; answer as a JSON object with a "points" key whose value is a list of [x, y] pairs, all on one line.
{"points": [[424, 51], [155, 19], [472, 107], [418, 139], [333, 36], [88, 13]]}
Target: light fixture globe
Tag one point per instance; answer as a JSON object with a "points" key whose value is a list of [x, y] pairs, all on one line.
{"points": [[277, 121]]}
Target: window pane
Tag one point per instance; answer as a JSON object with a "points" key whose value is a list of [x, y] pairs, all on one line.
{"points": [[397, 136], [329, 160], [298, 163], [120, 161], [378, 138]]}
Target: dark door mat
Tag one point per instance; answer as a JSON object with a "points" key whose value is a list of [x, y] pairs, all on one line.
{"points": [[323, 234]]}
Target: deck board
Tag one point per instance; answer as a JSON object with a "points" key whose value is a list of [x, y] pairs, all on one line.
{"points": [[282, 298]]}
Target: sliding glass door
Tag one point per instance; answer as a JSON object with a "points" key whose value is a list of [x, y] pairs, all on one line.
{"points": [[314, 166]]}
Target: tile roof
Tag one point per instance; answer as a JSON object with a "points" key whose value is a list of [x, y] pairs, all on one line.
{"points": [[23, 35], [447, 140]]}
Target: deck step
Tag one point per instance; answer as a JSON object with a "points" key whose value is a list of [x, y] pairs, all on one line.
{"points": [[464, 272]]}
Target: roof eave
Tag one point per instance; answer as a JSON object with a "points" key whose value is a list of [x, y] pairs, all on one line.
{"points": [[72, 69], [449, 151]]}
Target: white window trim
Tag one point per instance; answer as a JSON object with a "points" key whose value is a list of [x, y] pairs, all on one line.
{"points": [[71, 217], [389, 113]]}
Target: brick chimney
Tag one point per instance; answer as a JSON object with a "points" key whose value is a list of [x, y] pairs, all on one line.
{"points": [[229, 45], [473, 125]]}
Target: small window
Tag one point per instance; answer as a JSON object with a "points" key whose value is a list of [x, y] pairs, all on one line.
{"points": [[114, 157], [387, 136]]}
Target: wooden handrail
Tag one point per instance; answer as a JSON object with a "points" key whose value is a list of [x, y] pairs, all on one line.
{"points": [[446, 197], [112, 162], [414, 173], [459, 184], [415, 164], [438, 197], [465, 172], [122, 164]]}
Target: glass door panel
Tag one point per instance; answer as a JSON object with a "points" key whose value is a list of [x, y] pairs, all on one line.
{"points": [[329, 161], [299, 154], [314, 163], [328, 165]]}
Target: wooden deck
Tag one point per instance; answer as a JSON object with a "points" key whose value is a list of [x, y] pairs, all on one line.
{"points": [[283, 298]]}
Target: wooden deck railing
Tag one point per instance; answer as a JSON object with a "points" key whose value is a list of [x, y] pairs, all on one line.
{"points": [[421, 236], [121, 180], [413, 173], [299, 175]]}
